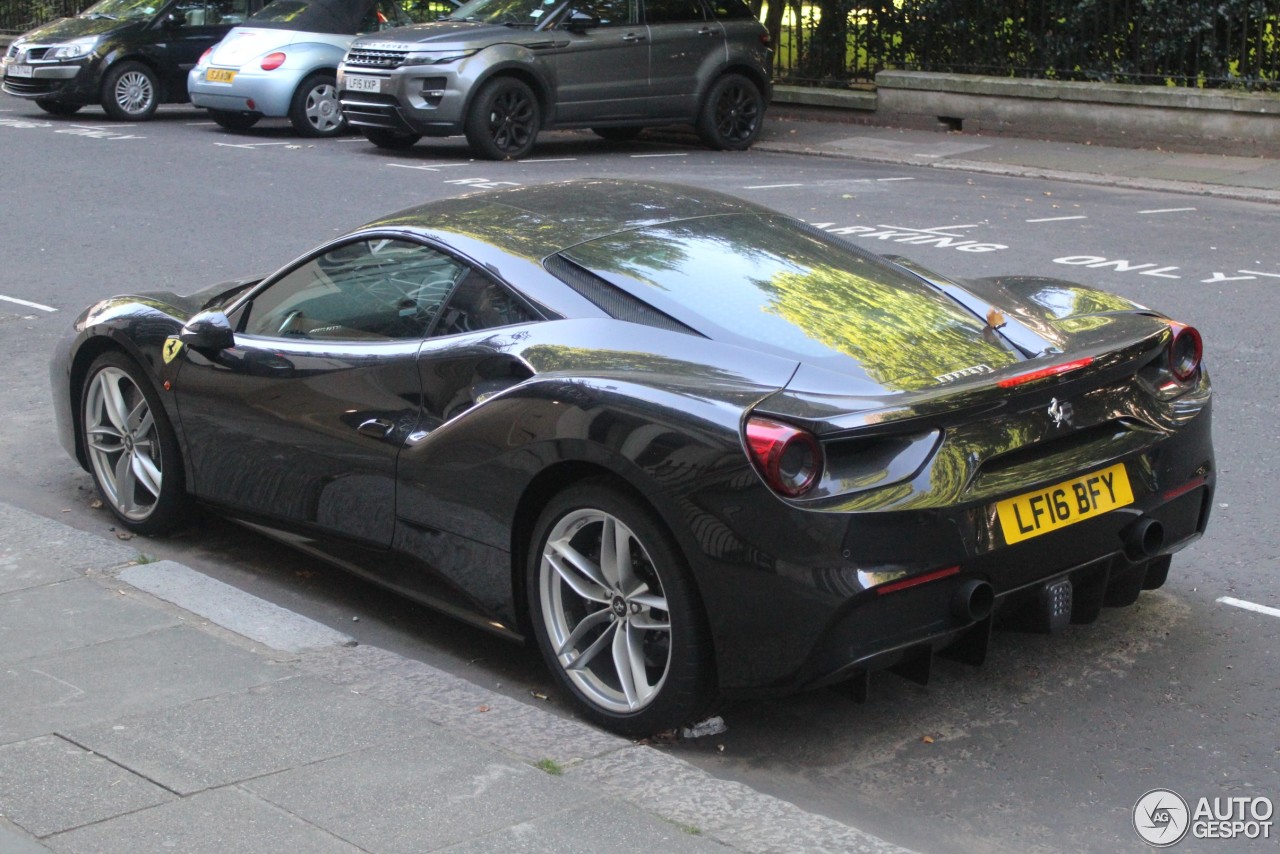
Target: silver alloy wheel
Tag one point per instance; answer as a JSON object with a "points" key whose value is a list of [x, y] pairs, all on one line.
{"points": [[123, 443], [134, 92], [605, 611], [323, 111]]}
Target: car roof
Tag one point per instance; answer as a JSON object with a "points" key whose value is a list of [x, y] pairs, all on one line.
{"points": [[537, 221]]}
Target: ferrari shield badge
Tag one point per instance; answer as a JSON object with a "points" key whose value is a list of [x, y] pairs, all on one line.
{"points": [[172, 346]]}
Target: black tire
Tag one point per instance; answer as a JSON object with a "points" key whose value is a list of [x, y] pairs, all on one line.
{"points": [[130, 446], [314, 110], [234, 121], [504, 119], [390, 139], [130, 92], [669, 677], [732, 114], [617, 134], [57, 108]]}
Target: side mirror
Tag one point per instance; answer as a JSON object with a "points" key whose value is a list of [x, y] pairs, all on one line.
{"points": [[208, 332], [174, 20], [579, 21]]}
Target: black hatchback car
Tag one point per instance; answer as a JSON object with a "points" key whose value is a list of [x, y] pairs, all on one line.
{"points": [[127, 55]]}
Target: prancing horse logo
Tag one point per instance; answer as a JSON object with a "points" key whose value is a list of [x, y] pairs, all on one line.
{"points": [[1061, 413]]}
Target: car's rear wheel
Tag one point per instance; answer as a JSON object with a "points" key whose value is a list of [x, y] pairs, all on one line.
{"points": [[130, 92], [504, 120], [617, 134], [315, 110], [131, 447], [234, 121], [732, 114], [616, 614], [390, 139], [57, 108]]}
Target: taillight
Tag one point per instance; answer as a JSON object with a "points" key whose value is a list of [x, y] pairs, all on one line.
{"points": [[1185, 351], [789, 459], [1056, 370], [204, 57], [766, 38], [272, 61]]}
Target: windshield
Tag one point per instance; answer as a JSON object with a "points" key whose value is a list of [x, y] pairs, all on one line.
{"points": [[122, 9], [518, 13]]}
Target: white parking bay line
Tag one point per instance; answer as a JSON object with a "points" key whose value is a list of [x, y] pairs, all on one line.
{"points": [[430, 167], [199, 124], [1260, 273], [886, 180], [677, 154], [771, 186], [250, 145], [1249, 606], [551, 160], [1056, 218], [1166, 210], [28, 303]]}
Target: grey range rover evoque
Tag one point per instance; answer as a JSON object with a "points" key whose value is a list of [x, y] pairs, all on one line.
{"points": [[499, 71]]}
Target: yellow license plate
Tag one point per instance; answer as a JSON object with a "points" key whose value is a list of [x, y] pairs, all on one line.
{"points": [[1034, 513], [219, 75]]}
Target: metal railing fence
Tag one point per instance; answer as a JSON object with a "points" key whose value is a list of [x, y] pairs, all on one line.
{"points": [[18, 16], [1211, 43]]}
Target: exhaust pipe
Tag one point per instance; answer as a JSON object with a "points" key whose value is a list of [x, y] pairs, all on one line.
{"points": [[973, 601], [1143, 539]]}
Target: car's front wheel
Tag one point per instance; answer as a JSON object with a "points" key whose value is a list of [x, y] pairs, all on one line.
{"points": [[732, 114], [234, 121], [130, 92], [504, 120], [57, 108], [616, 613], [390, 139], [315, 110], [131, 447]]}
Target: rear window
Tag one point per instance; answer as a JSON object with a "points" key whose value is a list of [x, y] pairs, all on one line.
{"points": [[772, 284]]}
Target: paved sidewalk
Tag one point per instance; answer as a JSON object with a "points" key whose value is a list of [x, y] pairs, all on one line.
{"points": [[806, 131], [149, 708]]}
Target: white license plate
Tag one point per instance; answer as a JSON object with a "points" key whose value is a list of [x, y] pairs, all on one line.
{"points": [[363, 84], [19, 71]]}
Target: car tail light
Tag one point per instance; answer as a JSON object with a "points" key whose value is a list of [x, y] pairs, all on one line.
{"points": [[766, 39], [789, 459], [204, 57], [1031, 376], [272, 61], [1185, 351]]}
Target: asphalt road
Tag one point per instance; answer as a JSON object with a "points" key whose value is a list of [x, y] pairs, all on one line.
{"points": [[1047, 747]]}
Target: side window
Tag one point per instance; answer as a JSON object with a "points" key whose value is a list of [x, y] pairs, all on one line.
{"points": [[731, 10], [481, 303], [384, 15], [673, 11], [610, 13], [192, 13], [374, 289], [227, 11]]}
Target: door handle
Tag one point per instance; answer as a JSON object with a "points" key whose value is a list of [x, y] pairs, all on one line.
{"points": [[633, 37], [376, 428], [706, 31]]}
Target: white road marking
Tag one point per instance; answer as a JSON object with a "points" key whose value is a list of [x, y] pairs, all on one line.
{"points": [[1260, 273], [428, 168], [353, 139], [1166, 210], [199, 124], [678, 154], [1249, 606], [1057, 218], [251, 145], [28, 303], [102, 127], [883, 180], [551, 160], [771, 186]]}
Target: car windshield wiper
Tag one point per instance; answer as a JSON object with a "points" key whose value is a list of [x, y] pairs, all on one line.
{"points": [[96, 15]]}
